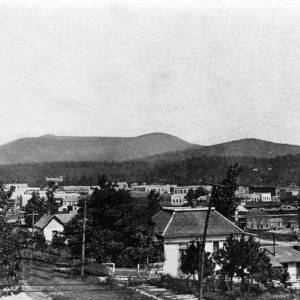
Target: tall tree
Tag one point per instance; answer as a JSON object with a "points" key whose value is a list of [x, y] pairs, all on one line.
{"points": [[12, 241], [35, 208], [223, 199], [114, 229], [190, 261], [245, 259], [154, 203], [52, 204], [227, 258]]}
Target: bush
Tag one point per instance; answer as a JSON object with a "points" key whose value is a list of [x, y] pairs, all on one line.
{"points": [[176, 285], [258, 289]]}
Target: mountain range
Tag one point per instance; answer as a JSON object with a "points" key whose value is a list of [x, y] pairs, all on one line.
{"points": [[152, 146]]}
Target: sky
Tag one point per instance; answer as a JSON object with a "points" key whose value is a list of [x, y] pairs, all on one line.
{"points": [[206, 71]]}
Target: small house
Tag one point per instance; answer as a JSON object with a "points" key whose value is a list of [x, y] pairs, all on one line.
{"points": [[286, 257], [50, 225]]}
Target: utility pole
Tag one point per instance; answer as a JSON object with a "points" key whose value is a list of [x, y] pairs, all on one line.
{"points": [[32, 224], [83, 239], [202, 249]]}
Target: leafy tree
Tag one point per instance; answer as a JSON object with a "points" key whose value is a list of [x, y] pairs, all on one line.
{"points": [[154, 204], [115, 230], [51, 204], [227, 258], [223, 198], [281, 274], [195, 194], [12, 241], [58, 241], [36, 206], [190, 261], [245, 259], [39, 241]]}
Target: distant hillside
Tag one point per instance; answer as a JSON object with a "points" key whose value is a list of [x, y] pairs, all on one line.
{"points": [[282, 170], [244, 147], [49, 148], [148, 147]]}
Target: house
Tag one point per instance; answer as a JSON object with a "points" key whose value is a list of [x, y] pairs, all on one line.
{"points": [[52, 224], [286, 257], [175, 227]]}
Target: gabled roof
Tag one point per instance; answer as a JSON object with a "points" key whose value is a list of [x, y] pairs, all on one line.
{"points": [[161, 220], [190, 222], [283, 254], [46, 219], [64, 218]]}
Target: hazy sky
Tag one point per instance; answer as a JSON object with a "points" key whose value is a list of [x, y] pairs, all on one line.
{"points": [[206, 71]]}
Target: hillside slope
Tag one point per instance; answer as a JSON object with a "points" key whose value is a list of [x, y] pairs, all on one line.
{"points": [[244, 147], [49, 148]]}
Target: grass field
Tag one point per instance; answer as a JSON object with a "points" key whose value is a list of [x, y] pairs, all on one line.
{"points": [[46, 284]]}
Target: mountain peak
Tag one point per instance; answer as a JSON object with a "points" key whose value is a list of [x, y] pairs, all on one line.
{"points": [[49, 148], [49, 135]]}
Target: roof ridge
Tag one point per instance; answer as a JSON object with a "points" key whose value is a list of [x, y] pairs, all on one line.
{"points": [[169, 223]]}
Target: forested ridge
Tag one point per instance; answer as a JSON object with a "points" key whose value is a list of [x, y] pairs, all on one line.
{"points": [[274, 171]]}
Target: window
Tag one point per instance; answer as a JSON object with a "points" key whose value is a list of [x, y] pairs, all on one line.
{"points": [[181, 253], [215, 246]]}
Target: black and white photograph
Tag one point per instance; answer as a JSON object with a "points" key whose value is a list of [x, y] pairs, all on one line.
{"points": [[150, 149]]}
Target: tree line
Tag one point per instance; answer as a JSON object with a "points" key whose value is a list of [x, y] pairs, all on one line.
{"points": [[283, 170]]}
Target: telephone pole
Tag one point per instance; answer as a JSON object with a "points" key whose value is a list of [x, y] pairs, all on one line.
{"points": [[202, 249], [83, 239]]}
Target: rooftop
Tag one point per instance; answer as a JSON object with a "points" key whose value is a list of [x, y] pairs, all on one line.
{"points": [[283, 254], [45, 220], [187, 221]]}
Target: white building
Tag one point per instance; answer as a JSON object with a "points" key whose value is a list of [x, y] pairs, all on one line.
{"points": [[265, 197], [159, 188], [19, 188], [178, 200], [69, 201], [175, 227]]}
